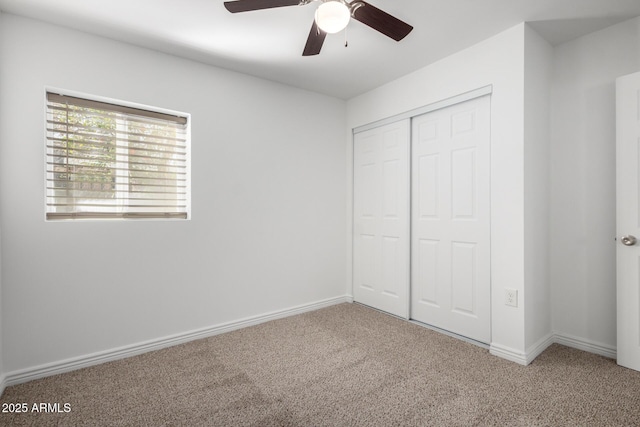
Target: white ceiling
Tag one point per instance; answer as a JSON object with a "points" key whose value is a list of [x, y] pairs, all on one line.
{"points": [[268, 43]]}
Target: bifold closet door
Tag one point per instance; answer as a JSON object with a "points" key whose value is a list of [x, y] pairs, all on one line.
{"points": [[381, 218], [450, 214]]}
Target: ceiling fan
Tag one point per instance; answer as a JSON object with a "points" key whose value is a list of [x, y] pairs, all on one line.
{"points": [[332, 16]]}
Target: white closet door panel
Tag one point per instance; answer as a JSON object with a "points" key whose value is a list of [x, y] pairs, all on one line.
{"points": [[427, 272], [429, 197], [381, 218], [367, 267], [463, 194], [463, 278], [450, 234]]}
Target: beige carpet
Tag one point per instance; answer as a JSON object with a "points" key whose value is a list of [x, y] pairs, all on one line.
{"points": [[346, 365]]}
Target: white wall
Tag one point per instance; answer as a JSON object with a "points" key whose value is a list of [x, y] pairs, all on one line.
{"points": [[268, 203], [498, 61], [582, 227], [537, 86]]}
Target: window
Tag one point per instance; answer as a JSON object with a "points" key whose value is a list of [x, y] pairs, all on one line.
{"points": [[113, 161]]}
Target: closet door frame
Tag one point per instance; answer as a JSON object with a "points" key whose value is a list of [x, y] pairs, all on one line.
{"points": [[457, 99]]}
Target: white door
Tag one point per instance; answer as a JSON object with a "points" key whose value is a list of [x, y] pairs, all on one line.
{"points": [[450, 219], [628, 219], [381, 218]]}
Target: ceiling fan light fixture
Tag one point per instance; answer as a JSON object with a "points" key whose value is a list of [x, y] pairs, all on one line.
{"points": [[332, 16]]}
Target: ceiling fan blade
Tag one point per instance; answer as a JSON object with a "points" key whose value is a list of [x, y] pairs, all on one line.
{"points": [[314, 41], [381, 21], [248, 5]]}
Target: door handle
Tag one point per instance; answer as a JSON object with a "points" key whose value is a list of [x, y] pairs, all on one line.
{"points": [[628, 240]]}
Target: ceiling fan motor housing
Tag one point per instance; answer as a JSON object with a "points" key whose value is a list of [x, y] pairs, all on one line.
{"points": [[332, 16]]}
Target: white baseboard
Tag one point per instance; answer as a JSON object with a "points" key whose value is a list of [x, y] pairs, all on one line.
{"points": [[72, 364], [536, 349], [3, 383], [586, 345], [519, 357], [557, 338], [508, 353]]}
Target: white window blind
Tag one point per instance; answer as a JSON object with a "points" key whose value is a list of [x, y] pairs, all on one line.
{"points": [[112, 161]]}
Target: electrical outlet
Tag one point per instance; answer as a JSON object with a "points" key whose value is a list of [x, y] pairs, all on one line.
{"points": [[511, 297]]}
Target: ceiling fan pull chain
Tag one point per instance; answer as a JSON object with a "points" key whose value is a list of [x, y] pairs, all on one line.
{"points": [[346, 43]]}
